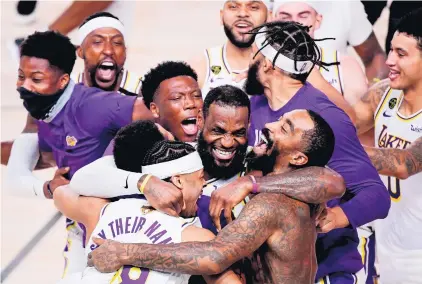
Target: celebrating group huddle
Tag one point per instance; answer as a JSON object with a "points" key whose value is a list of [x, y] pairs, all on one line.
{"points": [[193, 174]]}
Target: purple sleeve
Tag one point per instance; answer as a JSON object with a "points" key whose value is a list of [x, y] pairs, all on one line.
{"points": [[106, 111], [370, 199]]}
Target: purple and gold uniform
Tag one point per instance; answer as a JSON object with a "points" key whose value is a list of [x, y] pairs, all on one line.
{"points": [[78, 135], [366, 198]]}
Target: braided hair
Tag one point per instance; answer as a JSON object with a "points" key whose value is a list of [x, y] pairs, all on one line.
{"points": [[164, 151], [292, 40]]}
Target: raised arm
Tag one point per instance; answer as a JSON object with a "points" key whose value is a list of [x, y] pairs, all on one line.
{"points": [[397, 162], [255, 225], [365, 107]]}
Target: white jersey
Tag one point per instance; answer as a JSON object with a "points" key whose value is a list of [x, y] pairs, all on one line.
{"points": [[398, 237], [204, 202], [218, 70], [133, 221], [333, 74], [130, 85]]}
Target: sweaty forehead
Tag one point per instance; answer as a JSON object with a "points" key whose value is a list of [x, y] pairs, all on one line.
{"points": [[34, 64], [294, 8], [300, 119], [182, 84], [225, 115]]}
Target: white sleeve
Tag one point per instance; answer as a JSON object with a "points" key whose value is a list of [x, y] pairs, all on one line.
{"points": [[359, 27], [103, 179], [23, 158]]}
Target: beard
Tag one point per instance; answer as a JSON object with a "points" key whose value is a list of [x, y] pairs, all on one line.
{"points": [[216, 171], [93, 70], [264, 163], [252, 85], [238, 43]]}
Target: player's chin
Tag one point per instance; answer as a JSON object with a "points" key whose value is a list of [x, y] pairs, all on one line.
{"points": [[105, 85]]}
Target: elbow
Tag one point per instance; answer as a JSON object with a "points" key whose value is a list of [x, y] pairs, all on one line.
{"points": [[335, 184], [402, 173]]}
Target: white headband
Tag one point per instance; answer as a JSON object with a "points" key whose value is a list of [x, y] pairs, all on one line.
{"points": [[184, 165], [97, 23], [282, 62]]}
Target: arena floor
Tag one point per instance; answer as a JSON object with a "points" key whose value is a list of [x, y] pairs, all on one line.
{"points": [[162, 30]]}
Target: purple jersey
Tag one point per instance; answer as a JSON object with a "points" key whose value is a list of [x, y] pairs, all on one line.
{"points": [[82, 130], [366, 198]]}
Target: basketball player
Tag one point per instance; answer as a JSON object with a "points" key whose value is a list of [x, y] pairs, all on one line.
{"points": [[102, 47], [228, 64], [348, 77], [283, 83], [221, 65], [394, 106], [174, 161], [280, 229], [71, 126]]}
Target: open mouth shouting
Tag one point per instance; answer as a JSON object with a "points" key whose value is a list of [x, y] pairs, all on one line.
{"points": [[265, 144], [106, 71], [190, 126], [243, 26]]}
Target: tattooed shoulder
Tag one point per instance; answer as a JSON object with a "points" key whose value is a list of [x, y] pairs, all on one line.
{"points": [[374, 94]]}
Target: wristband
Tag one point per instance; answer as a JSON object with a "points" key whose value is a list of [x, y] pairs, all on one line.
{"points": [[144, 183], [49, 189], [255, 186]]}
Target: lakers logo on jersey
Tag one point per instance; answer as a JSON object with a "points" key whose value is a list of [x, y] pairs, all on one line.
{"points": [[392, 103], [387, 140], [71, 141], [216, 69]]}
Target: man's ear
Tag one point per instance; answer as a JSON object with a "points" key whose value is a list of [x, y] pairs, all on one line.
{"points": [[80, 53], [177, 181], [298, 159], [318, 21], [267, 65], [155, 110], [64, 80]]}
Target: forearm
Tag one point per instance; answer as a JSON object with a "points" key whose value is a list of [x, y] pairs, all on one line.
{"points": [[311, 185], [194, 258], [6, 148], [103, 179], [76, 13], [390, 162], [24, 156], [369, 204]]}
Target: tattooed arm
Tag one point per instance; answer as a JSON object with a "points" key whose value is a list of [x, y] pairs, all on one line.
{"points": [[314, 185], [397, 162], [255, 225], [365, 108]]}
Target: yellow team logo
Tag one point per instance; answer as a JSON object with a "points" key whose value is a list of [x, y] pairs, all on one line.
{"points": [[216, 69], [71, 141], [392, 103]]}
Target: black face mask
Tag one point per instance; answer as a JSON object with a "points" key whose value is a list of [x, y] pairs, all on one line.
{"points": [[38, 105]]}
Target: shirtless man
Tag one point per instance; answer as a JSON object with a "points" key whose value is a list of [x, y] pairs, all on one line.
{"points": [[283, 235]]}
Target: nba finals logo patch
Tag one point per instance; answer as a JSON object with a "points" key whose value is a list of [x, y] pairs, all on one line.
{"points": [[216, 69], [392, 103], [71, 141]]}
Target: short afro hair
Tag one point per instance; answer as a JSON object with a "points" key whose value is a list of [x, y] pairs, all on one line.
{"points": [[132, 142], [318, 143], [164, 151], [226, 95], [52, 46], [97, 15], [410, 25], [162, 72]]}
